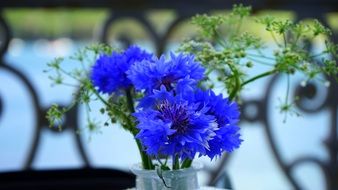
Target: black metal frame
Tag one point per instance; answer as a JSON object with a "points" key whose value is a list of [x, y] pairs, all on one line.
{"points": [[135, 10], [83, 178]]}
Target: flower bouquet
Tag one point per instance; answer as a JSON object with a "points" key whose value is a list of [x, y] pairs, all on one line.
{"points": [[168, 103]]}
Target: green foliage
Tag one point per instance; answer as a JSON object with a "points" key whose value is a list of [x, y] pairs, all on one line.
{"points": [[208, 24], [318, 28], [241, 11], [55, 116], [86, 93], [228, 50], [274, 25]]}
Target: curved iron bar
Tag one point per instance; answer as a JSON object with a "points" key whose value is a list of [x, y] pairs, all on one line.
{"points": [[137, 16], [28, 85], [79, 143], [39, 112], [215, 174], [36, 103], [171, 28], [309, 92], [245, 109], [73, 115], [331, 102], [331, 142], [226, 158], [329, 169], [70, 122], [267, 127], [7, 35], [324, 167]]}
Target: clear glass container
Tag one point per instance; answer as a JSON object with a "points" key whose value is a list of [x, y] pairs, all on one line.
{"points": [[183, 179]]}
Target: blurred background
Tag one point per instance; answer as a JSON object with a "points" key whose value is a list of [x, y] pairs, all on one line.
{"points": [[298, 154]]}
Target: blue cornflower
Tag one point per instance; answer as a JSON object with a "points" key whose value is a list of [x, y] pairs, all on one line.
{"points": [[109, 72], [136, 54], [173, 126], [201, 123], [227, 114], [180, 71]]}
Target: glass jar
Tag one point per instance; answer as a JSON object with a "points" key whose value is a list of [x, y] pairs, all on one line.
{"points": [[182, 179]]}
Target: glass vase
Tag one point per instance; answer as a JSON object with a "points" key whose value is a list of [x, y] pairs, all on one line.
{"points": [[183, 179]]}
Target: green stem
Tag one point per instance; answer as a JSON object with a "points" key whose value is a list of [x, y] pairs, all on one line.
{"points": [[176, 163], [258, 77], [286, 103], [130, 101], [297, 38], [260, 56], [146, 161], [186, 163], [284, 38], [101, 99], [121, 115], [219, 39], [275, 39], [287, 90], [144, 158], [237, 87], [69, 84], [258, 61], [69, 74], [239, 25]]}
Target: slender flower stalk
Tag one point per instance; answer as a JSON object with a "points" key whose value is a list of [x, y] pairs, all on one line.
{"points": [[146, 160], [268, 73]]}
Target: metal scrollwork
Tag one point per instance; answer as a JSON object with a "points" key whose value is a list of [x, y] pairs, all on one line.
{"points": [[172, 26], [138, 17], [329, 102], [35, 103], [312, 97]]}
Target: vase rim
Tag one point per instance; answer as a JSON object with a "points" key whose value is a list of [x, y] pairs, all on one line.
{"points": [[138, 170]]}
